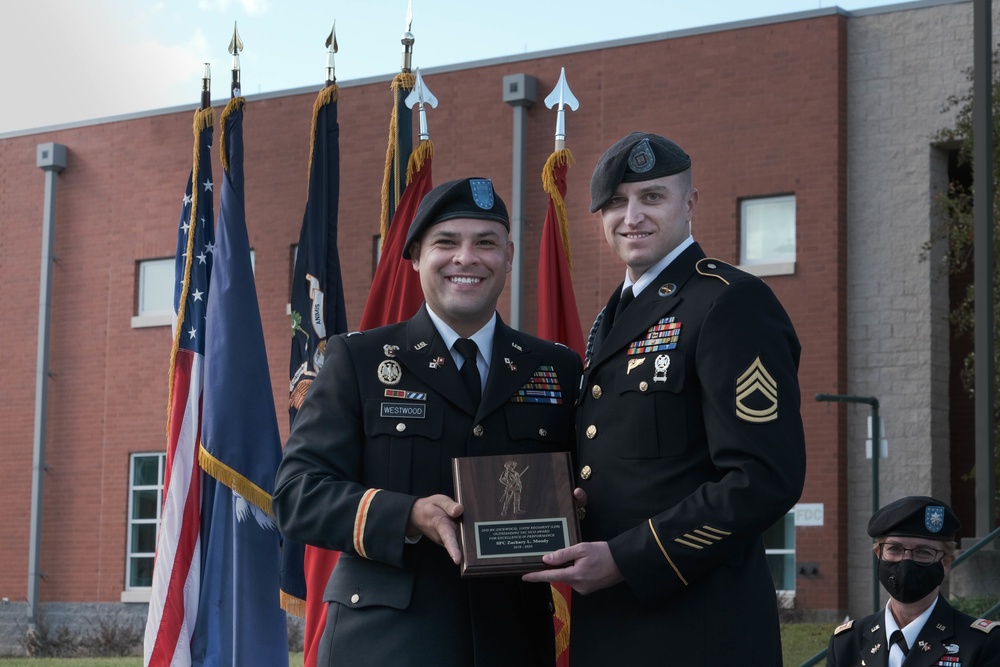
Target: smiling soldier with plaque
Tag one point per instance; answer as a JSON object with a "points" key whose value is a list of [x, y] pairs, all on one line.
{"points": [[518, 508], [368, 467]]}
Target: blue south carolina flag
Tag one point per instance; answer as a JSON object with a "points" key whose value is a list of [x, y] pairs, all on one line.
{"points": [[240, 621]]}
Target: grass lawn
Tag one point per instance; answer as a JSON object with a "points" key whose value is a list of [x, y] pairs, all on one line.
{"points": [[800, 641]]}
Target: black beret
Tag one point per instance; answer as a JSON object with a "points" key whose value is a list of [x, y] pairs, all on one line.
{"points": [[915, 516], [640, 156], [464, 198]]}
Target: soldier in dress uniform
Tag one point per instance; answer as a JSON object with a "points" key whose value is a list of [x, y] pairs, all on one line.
{"points": [[689, 438], [914, 540], [367, 467]]}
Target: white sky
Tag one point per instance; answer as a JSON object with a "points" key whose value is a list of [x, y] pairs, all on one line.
{"points": [[63, 61]]}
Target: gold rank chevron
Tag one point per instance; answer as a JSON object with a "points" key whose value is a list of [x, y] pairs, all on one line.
{"points": [[699, 538], [756, 379]]}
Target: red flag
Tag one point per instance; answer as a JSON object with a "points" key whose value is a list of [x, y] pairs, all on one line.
{"points": [[396, 294], [558, 318], [559, 321]]}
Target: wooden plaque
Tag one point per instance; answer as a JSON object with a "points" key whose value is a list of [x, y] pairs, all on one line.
{"points": [[518, 508]]}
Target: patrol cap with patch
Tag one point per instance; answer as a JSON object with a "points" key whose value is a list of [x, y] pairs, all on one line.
{"points": [[464, 198], [915, 516], [640, 156]]}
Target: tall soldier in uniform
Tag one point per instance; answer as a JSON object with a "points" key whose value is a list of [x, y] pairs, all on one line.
{"points": [[689, 438], [367, 468], [914, 541]]}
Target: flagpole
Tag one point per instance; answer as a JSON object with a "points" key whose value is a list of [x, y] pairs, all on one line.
{"points": [[240, 620], [235, 46], [206, 87], [397, 153], [421, 96], [331, 49], [175, 590], [395, 293], [317, 306], [558, 317], [561, 97]]}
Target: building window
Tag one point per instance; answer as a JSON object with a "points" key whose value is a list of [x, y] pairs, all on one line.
{"points": [[145, 499], [767, 235], [376, 252], [779, 545], [154, 293]]}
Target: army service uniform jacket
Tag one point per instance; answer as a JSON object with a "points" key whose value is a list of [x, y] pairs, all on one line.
{"points": [[378, 429], [690, 445], [948, 638]]}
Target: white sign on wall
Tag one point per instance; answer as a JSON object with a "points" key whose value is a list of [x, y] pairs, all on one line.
{"points": [[808, 514]]}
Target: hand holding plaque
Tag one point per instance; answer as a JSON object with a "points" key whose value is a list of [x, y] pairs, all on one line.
{"points": [[518, 508]]}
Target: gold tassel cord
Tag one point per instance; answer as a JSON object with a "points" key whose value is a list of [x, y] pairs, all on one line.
{"points": [[402, 81], [423, 152], [224, 474], [234, 104], [293, 605], [328, 95], [558, 159], [562, 613], [203, 119]]}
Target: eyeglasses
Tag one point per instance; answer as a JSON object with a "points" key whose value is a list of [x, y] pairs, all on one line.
{"points": [[893, 552]]}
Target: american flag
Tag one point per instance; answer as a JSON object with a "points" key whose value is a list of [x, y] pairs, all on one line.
{"points": [[175, 590]]}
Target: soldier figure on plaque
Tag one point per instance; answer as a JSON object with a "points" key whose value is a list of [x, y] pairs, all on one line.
{"points": [[511, 480]]}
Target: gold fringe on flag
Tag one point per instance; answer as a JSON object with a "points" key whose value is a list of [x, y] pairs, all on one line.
{"points": [[203, 119], [234, 104], [326, 96], [293, 605], [402, 81], [562, 613], [558, 159], [423, 152], [235, 481]]}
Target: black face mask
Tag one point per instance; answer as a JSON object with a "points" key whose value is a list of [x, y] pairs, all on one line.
{"points": [[907, 581]]}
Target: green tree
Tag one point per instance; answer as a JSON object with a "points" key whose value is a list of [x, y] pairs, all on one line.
{"points": [[956, 205]]}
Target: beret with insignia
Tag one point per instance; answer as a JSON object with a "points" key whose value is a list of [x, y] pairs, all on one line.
{"points": [[640, 156], [464, 198], [915, 516]]}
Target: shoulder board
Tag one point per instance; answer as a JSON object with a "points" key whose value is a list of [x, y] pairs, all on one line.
{"points": [[714, 268], [843, 628], [561, 345], [355, 333], [984, 625]]}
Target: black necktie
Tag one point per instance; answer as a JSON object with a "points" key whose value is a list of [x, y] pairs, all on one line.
{"points": [[623, 302], [470, 369], [897, 638]]}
